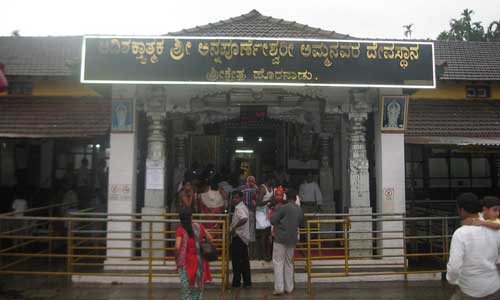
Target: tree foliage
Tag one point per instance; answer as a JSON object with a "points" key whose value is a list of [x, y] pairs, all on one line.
{"points": [[464, 29]]}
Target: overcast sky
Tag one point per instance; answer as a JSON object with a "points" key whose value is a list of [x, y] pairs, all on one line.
{"points": [[362, 18]]}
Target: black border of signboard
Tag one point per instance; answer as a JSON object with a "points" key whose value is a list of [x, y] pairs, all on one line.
{"points": [[256, 83]]}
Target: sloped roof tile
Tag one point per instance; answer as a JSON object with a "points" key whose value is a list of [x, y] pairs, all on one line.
{"points": [[469, 60], [59, 56], [54, 117], [254, 24], [40, 56], [454, 118]]}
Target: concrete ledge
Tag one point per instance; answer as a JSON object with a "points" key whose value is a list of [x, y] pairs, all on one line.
{"points": [[300, 278], [254, 264]]}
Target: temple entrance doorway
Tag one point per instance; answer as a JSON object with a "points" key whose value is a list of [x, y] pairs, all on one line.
{"points": [[249, 147]]}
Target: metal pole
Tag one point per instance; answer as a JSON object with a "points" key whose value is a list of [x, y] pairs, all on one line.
{"points": [[223, 259], [405, 261], [346, 246], [150, 256], [446, 239], [69, 255], [50, 231], [308, 258], [228, 238]]}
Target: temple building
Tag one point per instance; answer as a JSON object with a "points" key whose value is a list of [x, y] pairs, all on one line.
{"points": [[373, 148]]}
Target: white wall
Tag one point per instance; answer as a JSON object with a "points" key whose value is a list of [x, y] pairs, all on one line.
{"points": [[122, 182], [390, 177]]}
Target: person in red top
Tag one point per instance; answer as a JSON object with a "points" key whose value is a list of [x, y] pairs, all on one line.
{"points": [[187, 196], [193, 269], [3, 78], [279, 197]]}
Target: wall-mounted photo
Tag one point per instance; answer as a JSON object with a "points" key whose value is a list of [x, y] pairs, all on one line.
{"points": [[393, 113], [123, 115]]}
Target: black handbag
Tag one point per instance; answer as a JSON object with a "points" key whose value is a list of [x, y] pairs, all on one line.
{"points": [[209, 251]]}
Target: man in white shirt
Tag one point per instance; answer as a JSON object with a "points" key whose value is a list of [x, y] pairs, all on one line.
{"points": [[474, 252], [240, 232], [19, 205], [310, 195]]}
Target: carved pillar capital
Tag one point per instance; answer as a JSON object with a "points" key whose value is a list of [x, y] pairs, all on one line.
{"points": [[155, 102], [156, 138], [358, 102]]}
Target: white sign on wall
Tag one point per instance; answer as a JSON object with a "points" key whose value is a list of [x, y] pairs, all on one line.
{"points": [[154, 179], [120, 192], [389, 194]]}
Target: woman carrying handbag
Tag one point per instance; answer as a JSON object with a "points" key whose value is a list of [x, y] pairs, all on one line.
{"points": [[192, 267]]}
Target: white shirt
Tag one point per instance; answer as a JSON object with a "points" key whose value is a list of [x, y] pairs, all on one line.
{"points": [[19, 206], [268, 195], [240, 213], [310, 192], [472, 265]]}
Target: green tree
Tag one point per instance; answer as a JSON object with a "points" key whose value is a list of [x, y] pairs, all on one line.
{"points": [[464, 29], [493, 33]]}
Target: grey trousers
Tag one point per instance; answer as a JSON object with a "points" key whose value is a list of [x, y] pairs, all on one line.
{"points": [[283, 267]]}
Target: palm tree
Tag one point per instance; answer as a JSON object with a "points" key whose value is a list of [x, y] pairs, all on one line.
{"points": [[463, 29], [493, 33], [408, 30]]}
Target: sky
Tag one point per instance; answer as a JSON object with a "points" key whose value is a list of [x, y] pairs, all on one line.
{"points": [[362, 18]]}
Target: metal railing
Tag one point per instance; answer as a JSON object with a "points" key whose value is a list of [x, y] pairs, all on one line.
{"points": [[143, 245], [410, 245], [100, 244]]}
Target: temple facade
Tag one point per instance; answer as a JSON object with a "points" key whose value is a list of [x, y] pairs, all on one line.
{"points": [[151, 135]]}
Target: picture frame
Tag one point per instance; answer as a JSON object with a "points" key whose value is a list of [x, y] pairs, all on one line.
{"points": [[122, 115], [393, 113]]}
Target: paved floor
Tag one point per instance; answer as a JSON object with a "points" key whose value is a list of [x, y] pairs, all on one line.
{"points": [[28, 288]]}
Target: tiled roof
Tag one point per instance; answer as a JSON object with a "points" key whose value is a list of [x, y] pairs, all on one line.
{"points": [[454, 118], [58, 56], [38, 117], [469, 60], [40, 56], [253, 24]]}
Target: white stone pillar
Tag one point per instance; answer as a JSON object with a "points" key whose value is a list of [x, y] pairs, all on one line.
{"points": [[390, 171], [154, 200], [361, 231], [122, 181]]}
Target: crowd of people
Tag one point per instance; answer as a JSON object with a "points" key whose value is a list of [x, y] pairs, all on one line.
{"points": [[267, 214], [207, 192], [265, 220]]}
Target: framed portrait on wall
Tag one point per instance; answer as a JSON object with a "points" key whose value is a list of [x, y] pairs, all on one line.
{"points": [[122, 115], [393, 113]]}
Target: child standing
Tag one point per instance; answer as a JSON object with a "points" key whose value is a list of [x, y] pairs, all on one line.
{"points": [[489, 217]]}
